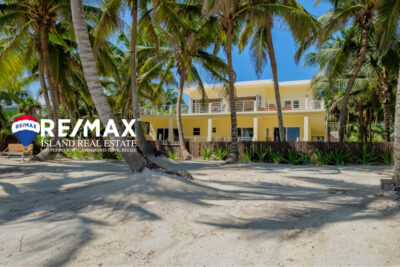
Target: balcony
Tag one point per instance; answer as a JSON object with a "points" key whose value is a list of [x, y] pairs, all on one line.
{"points": [[241, 106]]}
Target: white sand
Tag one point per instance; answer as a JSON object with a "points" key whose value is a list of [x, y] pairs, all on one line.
{"points": [[96, 213]]}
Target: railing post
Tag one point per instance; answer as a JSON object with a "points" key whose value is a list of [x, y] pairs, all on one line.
{"points": [[209, 107], [307, 104], [255, 106], [170, 109], [190, 107]]}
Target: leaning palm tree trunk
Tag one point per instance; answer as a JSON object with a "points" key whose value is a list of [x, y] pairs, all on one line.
{"points": [[140, 138], [135, 161], [271, 54], [185, 153], [353, 77], [233, 153], [396, 169]]}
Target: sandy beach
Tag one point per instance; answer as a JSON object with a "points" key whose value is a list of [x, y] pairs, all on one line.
{"points": [[96, 213]]}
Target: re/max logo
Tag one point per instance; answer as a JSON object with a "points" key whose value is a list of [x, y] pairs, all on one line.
{"points": [[47, 127], [25, 125]]}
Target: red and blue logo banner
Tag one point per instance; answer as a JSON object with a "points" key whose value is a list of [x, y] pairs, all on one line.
{"points": [[25, 128]]}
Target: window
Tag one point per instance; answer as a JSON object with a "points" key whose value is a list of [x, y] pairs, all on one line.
{"points": [[291, 133], [296, 104], [214, 130], [245, 134], [196, 131], [146, 127], [288, 103]]}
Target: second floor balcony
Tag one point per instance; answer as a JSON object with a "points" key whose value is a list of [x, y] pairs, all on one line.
{"points": [[241, 106]]}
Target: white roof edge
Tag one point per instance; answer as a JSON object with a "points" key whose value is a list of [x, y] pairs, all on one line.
{"points": [[250, 83]]}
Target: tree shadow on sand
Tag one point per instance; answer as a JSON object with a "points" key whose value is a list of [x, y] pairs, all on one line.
{"points": [[57, 196]]}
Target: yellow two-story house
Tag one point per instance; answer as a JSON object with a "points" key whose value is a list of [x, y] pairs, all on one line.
{"points": [[303, 116]]}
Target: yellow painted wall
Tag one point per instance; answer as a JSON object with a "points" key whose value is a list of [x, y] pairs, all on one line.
{"points": [[287, 92], [222, 125]]}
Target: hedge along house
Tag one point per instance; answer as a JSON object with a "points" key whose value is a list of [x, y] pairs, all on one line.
{"points": [[209, 120]]}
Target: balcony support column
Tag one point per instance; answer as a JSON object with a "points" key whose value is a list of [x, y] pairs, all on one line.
{"points": [[306, 131], [209, 130], [170, 130], [209, 108], [255, 129]]}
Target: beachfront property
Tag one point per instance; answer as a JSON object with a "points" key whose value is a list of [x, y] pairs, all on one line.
{"points": [[209, 120]]}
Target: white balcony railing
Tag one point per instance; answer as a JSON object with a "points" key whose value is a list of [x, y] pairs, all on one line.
{"points": [[241, 106]]}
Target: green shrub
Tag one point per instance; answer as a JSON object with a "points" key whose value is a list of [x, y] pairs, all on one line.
{"points": [[206, 153], [323, 158], [294, 157], [262, 153], [97, 156], [118, 155], [366, 157], [220, 154], [173, 155], [305, 158], [277, 157], [340, 157], [247, 155], [387, 157]]}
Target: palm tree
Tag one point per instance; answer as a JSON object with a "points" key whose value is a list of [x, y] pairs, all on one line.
{"points": [[144, 146], [154, 71], [383, 67], [231, 13], [189, 33], [135, 161], [258, 27], [389, 14], [361, 14]]}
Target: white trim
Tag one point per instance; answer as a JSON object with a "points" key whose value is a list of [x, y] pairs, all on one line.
{"points": [[248, 83]]}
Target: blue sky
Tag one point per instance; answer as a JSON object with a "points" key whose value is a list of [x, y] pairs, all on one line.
{"points": [[285, 49]]}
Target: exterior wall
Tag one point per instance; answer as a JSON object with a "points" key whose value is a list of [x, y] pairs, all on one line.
{"points": [[265, 91], [315, 127], [309, 118]]}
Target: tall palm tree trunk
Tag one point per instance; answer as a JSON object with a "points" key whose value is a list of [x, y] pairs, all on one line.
{"points": [[396, 168], [271, 54], [140, 138], [47, 154], [44, 44], [135, 161], [185, 153], [233, 153], [44, 90], [353, 77], [386, 111]]}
